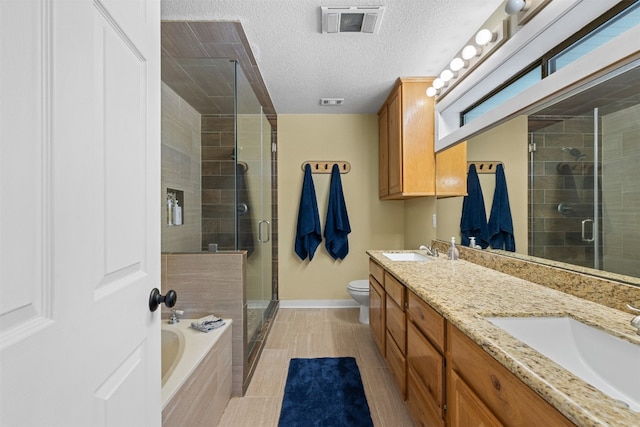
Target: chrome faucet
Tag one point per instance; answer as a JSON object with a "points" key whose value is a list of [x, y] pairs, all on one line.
{"points": [[430, 251], [635, 322], [174, 316]]}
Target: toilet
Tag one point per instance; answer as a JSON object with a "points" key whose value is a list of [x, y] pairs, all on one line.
{"points": [[359, 291]]}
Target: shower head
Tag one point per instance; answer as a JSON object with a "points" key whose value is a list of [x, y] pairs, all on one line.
{"points": [[575, 153]]}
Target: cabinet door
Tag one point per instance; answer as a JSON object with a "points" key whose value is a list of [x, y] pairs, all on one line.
{"points": [[383, 144], [465, 408], [425, 379], [451, 171], [397, 364], [376, 314], [394, 119], [419, 403]]}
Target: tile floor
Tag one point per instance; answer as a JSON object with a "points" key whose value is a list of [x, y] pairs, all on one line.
{"points": [[316, 333]]}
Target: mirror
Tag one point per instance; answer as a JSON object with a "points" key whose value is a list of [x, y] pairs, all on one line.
{"points": [[575, 195]]}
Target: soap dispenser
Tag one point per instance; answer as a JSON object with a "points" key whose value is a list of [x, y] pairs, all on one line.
{"points": [[453, 253]]}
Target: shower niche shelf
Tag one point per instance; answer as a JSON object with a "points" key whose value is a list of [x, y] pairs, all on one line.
{"points": [[174, 207]]}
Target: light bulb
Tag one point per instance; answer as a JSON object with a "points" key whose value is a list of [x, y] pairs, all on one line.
{"points": [[457, 64], [514, 6], [484, 36], [432, 91], [446, 75], [438, 83], [469, 52]]}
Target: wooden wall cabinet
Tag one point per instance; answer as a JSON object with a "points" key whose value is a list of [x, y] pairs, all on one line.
{"points": [[406, 133], [451, 171]]}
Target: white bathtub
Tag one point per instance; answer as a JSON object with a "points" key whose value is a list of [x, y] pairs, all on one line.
{"points": [[183, 348]]}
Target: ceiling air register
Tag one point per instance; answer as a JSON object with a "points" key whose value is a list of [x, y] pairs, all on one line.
{"points": [[354, 19]]}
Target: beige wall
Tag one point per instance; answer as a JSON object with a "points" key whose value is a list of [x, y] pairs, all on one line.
{"points": [[180, 136], [506, 143], [418, 222], [374, 224]]}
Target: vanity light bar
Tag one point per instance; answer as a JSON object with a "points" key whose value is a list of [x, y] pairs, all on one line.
{"points": [[475, 51]]}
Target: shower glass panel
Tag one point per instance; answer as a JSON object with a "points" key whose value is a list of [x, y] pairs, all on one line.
{"points": [[253, 202], [584, 199]]}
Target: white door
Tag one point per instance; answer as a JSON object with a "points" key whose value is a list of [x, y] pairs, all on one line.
{"points": [[79, 212]]}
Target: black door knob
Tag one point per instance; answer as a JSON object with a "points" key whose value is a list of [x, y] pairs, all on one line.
{"points": [[155, 299]]}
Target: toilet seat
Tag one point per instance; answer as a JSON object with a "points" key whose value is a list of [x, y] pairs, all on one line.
{"points": [[359, 285]]}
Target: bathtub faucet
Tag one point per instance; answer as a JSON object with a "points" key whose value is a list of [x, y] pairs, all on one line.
{"points": [[174, 316]]}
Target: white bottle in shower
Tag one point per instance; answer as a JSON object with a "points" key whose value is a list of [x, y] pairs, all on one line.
{"points": [[169, 211], [177, 213]]}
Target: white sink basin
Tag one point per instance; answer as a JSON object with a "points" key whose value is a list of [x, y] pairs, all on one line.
{"points": [[606, 362], [405, 256]]}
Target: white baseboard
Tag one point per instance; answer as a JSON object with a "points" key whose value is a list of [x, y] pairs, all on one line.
{"points": [[319, 303]]}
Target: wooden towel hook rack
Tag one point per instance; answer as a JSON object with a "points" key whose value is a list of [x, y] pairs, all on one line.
{"points": [[485, 166], [325, 166]]}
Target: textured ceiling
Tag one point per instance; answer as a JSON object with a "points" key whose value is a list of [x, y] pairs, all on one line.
{"points": [[300, 65]]}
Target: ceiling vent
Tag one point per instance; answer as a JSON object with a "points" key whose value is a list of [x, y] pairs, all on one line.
{"points": [[331, 102], [354, 19]]}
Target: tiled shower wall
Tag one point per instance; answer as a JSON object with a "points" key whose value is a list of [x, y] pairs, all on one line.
{"points": [[564, 183], [218, 182], [621, 193], [180, 142]]}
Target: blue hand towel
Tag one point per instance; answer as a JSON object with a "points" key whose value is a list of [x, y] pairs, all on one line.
{"points": [[474, 218], [308, 232], [336, 226], [500, 223]]}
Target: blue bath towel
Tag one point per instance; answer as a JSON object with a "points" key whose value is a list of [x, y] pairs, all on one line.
{"points": [[474, 218], [336, 227], [308, 232], [500, 223]]}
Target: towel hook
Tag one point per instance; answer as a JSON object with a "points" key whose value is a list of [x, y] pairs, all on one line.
{"points": [[322, 166]]}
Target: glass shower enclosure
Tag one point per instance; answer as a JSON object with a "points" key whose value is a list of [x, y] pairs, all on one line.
{"points": [[253, 204], [584, 197]]}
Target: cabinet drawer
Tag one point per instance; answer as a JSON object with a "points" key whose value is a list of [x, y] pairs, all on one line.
{"points": [[502, 392], [394, 289], [396, 324], [397, 365], [426, 365], [429, 321], [376, 271]]}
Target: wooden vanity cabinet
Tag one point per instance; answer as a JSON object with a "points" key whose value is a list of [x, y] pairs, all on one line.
{"points": [[377, 304], [445, 377], [396, 322], [479, 386], [425, 363], [406, 134]]}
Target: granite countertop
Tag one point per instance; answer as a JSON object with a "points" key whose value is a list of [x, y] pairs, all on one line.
{"points": [[465, 293]]}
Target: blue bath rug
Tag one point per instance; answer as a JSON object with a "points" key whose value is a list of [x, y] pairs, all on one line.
{"points": [[326, 392]]}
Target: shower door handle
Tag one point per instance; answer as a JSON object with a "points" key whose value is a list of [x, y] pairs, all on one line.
{"points": [[260, 231], [584, 236]]}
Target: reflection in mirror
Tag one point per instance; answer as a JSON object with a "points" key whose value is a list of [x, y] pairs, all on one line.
{"points": [[572, 173]]}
